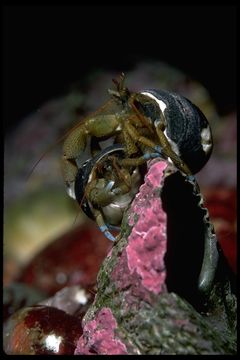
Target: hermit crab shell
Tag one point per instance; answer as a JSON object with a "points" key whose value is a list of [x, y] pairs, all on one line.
{"points": [[113, 212], [187, 129], [84, 172]]}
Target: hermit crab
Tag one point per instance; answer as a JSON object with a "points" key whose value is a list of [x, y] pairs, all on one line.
{"points": [[102, 155], [104, 190]]}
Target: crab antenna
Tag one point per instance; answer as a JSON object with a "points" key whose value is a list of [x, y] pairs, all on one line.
{"points": [[44, 154]]}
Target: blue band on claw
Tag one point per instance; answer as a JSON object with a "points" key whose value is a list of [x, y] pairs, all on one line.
{"points": [[104, 229], [149, 156]]}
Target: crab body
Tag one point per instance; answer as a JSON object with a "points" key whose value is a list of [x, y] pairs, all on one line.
{"points": [[104, 157], [103, 190], [103, 154]]}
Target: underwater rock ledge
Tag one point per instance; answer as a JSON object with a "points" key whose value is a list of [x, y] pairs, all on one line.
{"points": [[148, 300]]}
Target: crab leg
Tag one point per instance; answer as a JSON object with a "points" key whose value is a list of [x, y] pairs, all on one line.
{"points": [[101, 224]]}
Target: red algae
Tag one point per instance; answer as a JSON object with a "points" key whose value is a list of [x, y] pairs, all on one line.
{"points": [[99, 337], [148, 240]]}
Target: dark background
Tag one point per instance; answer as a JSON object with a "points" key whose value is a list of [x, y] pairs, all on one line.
{"points": [[47, 48]]}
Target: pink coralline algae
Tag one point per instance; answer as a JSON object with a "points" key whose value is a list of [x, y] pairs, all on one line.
{"points": [[140, 269], [99, 338], [147, 241]]}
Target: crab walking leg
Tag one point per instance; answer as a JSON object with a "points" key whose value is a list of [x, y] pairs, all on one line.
{"points": [[101, 224], [140, 160], [130, 147], [69, 173], [164, 147], [123, 174], [167, 150], [113, 227], [100, 192], [140, 116], [76, 142], [104, 195], [132, 131]]}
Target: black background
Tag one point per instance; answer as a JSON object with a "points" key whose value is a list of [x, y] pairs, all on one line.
{"points": [[47, 48]]}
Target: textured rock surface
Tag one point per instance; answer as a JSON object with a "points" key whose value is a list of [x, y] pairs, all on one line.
{"points": [[134, 311]]}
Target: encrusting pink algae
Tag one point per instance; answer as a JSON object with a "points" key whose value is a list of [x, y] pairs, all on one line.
{"points": [[140, 267]]}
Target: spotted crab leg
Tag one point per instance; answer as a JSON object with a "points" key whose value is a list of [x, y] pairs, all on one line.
{"points": [[101, 224]]}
